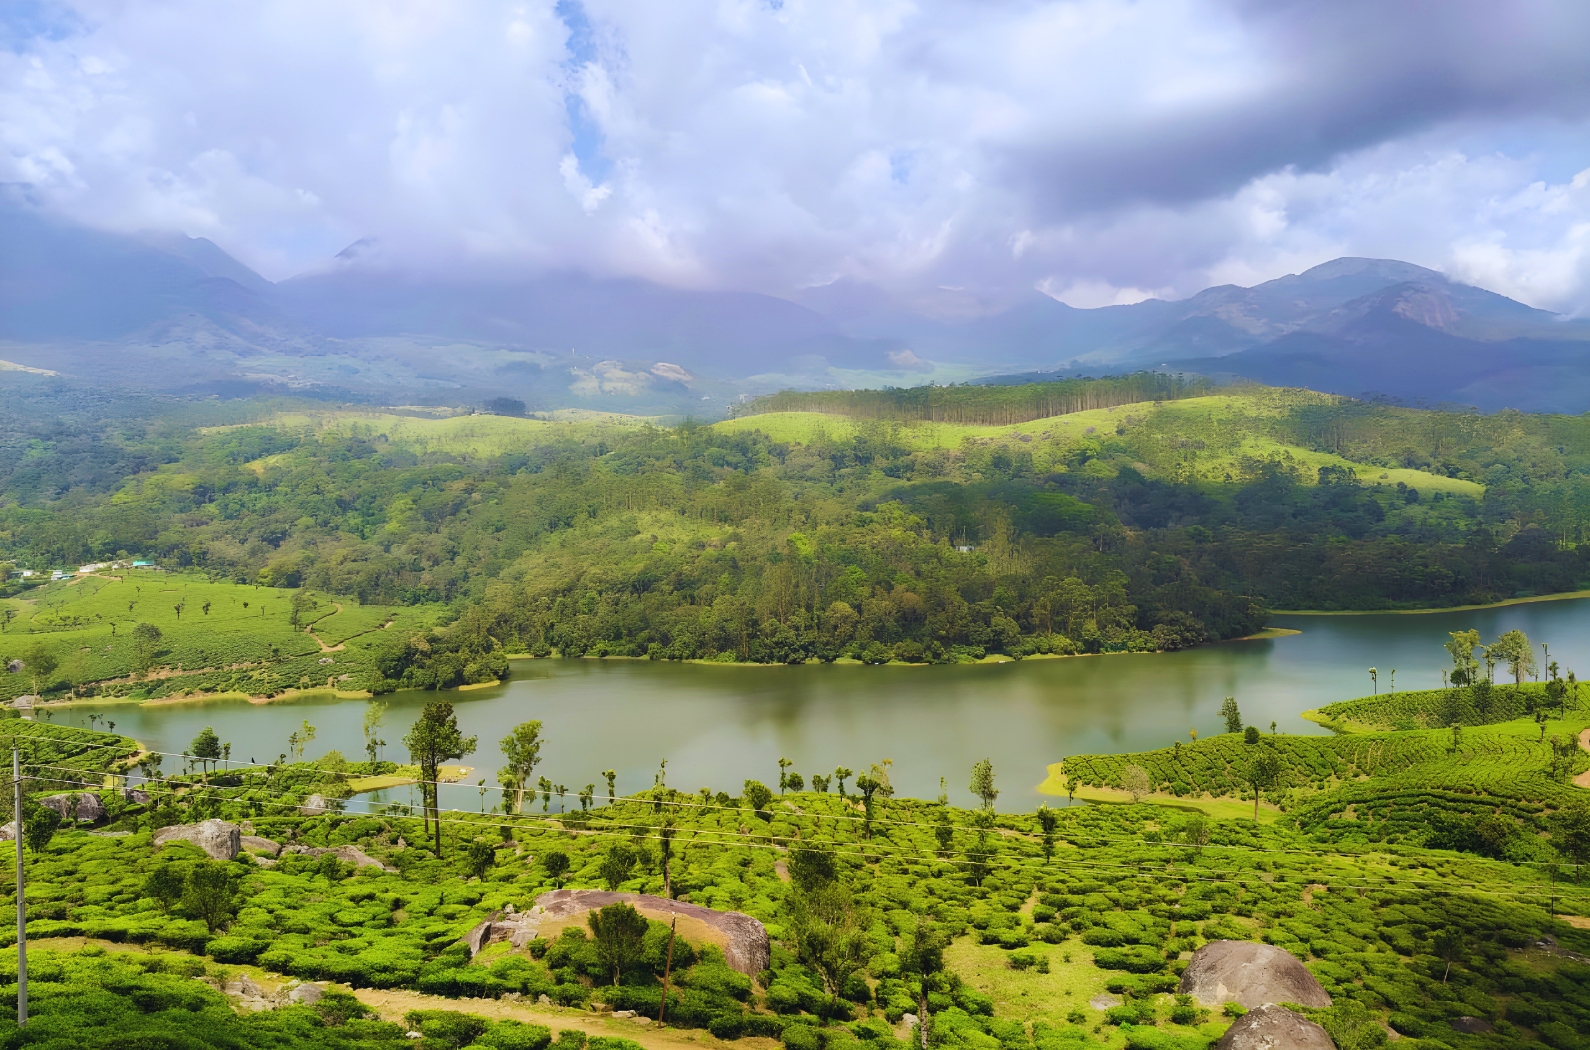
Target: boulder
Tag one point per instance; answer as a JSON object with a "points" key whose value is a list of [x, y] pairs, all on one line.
{"points": [[314, 806], [1275, 1028], [8, 831], [260, 845], [347, 854], [309, 994], [744, 939], [1251, 974], [89, 807], [136, 796], [25, 702], [219, 839]]}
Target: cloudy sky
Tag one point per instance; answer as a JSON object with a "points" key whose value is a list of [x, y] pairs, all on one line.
{"points": [[967, 150]]}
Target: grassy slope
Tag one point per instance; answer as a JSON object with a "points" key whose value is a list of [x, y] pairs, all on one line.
{"points": [[1050, 439], [88, 623], [481, 435]]}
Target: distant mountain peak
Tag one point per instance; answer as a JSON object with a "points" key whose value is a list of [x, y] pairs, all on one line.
{"points": [[1390, 270]]}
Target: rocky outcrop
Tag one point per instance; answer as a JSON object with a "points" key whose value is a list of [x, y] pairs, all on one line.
{"points": [[744, 939], [217, 838], [1251, 974], [88, 806], [347, 854], [257, 844], [1275, 1028], [314, 806], [136, 796]]}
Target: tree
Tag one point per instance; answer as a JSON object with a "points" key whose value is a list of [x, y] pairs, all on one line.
{"points": [[982, 783], [480, 858], [1195, 832], [1250, 735], [923, 957], [546, 793], [433, 739], [1448, 947], [827, 935], [374, 720], [39, 824], [811, 869], [300, 739], [944, 833], [840, 775], [146, 637], [556, 863], [1134, 780], [206, 747], [783, 774], [522, 750], [41, 661], [207, 893], [617, 863], [619, 931], [612, 785], [1047, 822], [1570, 834], [164, 885], [1232, 716], [758, 796], [1515, 650], [868, 785], [1264, 772]]}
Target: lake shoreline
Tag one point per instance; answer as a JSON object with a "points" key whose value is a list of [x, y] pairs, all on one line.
{"points": [[1560, 596]]}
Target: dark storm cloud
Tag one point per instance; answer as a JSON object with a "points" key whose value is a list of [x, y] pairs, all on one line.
{"points": [[1332, 78]]}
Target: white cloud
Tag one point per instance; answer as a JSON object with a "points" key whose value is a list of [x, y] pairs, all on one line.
{"points": [[1103, 150]]}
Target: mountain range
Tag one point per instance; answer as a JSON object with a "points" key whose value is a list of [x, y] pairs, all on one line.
{"points": [[174, 313]]}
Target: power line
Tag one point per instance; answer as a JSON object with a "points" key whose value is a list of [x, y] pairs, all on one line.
{"points": [[893, 851]]}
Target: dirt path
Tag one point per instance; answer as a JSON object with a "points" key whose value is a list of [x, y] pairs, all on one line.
{"points": [[392, 1004], [1583, 779], [309, 629]]}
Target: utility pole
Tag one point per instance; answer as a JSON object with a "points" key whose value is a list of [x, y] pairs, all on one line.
{"points": [[22, 908]]}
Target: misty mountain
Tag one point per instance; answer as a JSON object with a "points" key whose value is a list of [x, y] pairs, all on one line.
{"points": [[167, 312]]}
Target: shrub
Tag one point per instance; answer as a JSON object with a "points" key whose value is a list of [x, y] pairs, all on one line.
{"points": [[447, 1028], [1133, 959], [234, 950]]}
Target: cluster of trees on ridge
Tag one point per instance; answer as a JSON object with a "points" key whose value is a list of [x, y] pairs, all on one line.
{"points": [[694, 542]]}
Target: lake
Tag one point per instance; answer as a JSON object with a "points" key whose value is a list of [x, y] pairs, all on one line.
{"points": [[718, 725]]}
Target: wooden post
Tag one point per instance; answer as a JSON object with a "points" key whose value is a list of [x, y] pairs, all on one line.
{"points": [[22, 908], [667, 967]]}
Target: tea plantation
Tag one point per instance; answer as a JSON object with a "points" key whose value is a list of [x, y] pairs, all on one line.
{"points": [[1427, 902]]}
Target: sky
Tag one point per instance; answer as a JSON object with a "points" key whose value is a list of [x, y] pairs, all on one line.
{"points": [[1100, 151]]}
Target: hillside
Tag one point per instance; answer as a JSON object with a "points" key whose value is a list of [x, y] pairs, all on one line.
{"points": [[1061, 930], [785, 536]]}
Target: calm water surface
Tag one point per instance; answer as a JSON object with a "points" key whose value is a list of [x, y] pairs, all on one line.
{"points": [[716, 726]]}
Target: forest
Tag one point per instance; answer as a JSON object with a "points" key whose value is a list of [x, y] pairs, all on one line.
{"points": [[791, 536]]}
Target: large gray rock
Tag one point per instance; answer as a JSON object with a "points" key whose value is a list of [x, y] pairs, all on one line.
{"points": [[1275, 1028], [314, 806], [1251, 974], [219, 839], [137, 796], [745, 944], [347, 854], [259, 844], [89, 807]]}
